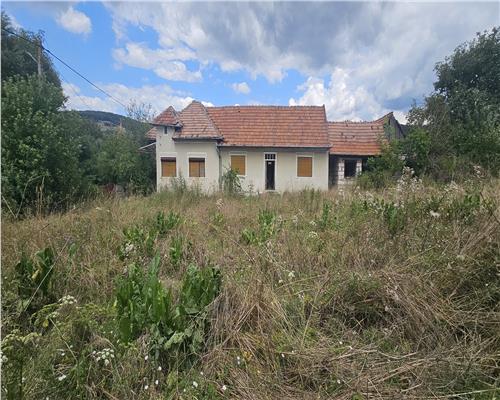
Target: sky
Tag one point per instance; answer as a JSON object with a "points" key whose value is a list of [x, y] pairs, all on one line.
{"points": [[360, 59]]}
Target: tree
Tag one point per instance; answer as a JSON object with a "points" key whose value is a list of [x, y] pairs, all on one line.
{"points": [[458, 125], [20, 54], [40, 165], [119, 161]]}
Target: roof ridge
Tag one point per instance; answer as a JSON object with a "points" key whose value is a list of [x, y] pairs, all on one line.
{"points": [[264, 106]]}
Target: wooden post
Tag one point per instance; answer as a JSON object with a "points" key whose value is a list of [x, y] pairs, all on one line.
{"points": [[39, 58]]}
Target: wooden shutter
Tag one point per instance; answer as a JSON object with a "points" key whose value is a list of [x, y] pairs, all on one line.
{"points": [[304, 166], [197, 167], [168, 166], [238, 164]]}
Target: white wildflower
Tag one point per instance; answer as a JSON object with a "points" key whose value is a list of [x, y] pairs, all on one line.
{"points": [[61, 378], [159, 368], [434, 214], [312, 235], [146, 358], [156, 382], [67, 300], [224, 388], [291, 275], [282, 355], [146, 387], [195, 384]]}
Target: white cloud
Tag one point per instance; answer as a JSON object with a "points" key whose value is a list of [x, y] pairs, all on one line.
{"points": [[241, 87], [159, 96], [74, 21], [343, 100], [166, 62], [387, 49]]}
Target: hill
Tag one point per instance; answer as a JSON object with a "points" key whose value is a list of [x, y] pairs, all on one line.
{"points": [[345, 294], [108, 120]]}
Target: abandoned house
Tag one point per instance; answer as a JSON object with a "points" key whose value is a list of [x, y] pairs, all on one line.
{"points": [[272, 148]]}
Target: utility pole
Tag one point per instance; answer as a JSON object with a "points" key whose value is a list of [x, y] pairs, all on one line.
{"points": [[39, 62]]}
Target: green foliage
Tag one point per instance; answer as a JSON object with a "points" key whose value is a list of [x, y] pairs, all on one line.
{"points": [[175, 251], [142, 302], [325, 220], [16, 350], [119, 161], [40, 161], [33, 277], [138, 242], [19, 55], [165, 224], [268, 227], [231, 183], [462, 117], [143, 305]]}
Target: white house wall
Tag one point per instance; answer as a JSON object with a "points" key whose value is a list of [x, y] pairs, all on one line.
{"points": [[182, 151], [286, 178]]}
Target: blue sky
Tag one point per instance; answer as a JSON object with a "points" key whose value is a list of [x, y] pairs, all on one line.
{"points": [[359, 59]]}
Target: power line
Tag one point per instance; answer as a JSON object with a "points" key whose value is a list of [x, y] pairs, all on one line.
{"points": [[66, 64]]}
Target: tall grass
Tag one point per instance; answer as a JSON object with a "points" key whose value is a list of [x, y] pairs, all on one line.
{"points": [[347, 294]]}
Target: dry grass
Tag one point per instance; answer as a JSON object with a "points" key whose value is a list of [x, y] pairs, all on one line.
{"points": [[356, 308]]}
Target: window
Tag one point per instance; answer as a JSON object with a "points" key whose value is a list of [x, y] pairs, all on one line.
{"points": [[349, 168], [197, 167], [168, 166], [238, 164], [304, 166]]}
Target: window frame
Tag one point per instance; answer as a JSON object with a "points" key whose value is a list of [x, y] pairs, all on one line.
{"points": [[311, 156], [199, 158], [168, 158], [240, 155]]}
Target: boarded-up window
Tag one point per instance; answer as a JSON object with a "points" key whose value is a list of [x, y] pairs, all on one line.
{"points": [[168, 166], [197, 167], [304, 166], [238, 164]]}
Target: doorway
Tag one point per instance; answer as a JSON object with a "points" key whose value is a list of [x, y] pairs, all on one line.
{"points": [[270, 163]]}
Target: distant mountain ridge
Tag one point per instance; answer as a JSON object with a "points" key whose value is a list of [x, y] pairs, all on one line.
{"points": [[111, 120]]}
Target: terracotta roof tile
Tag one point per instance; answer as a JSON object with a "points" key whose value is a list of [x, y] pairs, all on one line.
{"points": [[357, 138], [196, 123], [168, 117], [271, 126], [151, 134]]}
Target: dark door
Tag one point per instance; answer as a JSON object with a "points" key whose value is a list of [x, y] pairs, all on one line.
{"points": [[270, 167]]}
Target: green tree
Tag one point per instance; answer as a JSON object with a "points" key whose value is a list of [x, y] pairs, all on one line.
{"points": [[40, 164], [119, 161]]}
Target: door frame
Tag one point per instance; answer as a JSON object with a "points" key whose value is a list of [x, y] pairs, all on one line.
{"points": [[275, 170]]}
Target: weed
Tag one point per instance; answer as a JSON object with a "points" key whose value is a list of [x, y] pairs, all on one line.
{"points": [[165, 224], [34, 280]]}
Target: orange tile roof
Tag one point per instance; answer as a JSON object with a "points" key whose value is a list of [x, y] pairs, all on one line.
{"points": [[271, 126], [196, 123], [357, 138], [151, 134], [275, 126], [168, 117]]}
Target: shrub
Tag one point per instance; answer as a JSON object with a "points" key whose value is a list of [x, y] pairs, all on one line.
{"points": [[231, 183]]}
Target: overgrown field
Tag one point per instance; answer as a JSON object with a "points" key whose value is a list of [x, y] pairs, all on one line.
{"points": [[349, 295]]}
